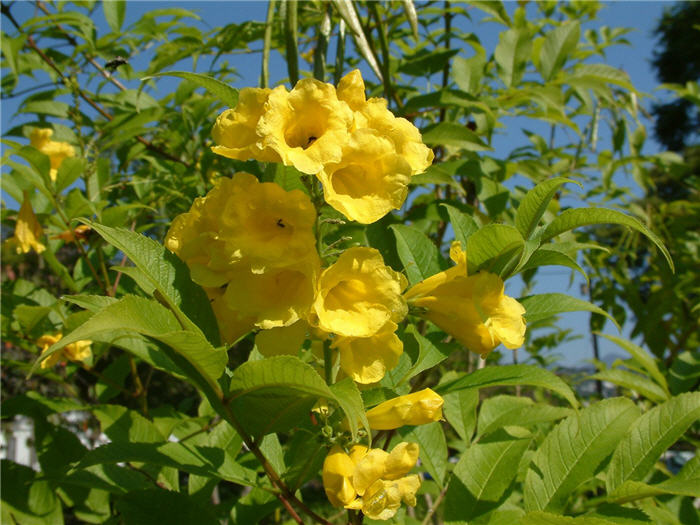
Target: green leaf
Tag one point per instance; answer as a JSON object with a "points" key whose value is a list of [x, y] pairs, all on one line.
{"points": [[548, 255], [460, 411], [282, 388], [455, 135], [348, 397], [28, 500], [168, 276], [546, 518], [635, 490], [643, 358], [534, 204], [69, 170], [577, 217], [420, 257], [685, 372], [149, 318], [633, 381], [433, 448], [543, 306], [649, 437], [429, 355], [511, 55], [495, 248], [558, 45], [114, 14], [501, 411], [202, 461], [572, 451], [150, 506], [462, 224], [482, 476], [468, 72], [427, 63], [510, 375], [226, 94]]}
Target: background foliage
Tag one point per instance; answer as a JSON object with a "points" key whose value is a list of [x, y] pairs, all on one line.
{"points": [[518, 444]]}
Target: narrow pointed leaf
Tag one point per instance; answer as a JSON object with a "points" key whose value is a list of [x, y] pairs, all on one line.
{"points": [[534, 204], [543, 306]]}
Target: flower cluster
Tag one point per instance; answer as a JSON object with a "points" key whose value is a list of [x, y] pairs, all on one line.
{"points": [[472, 308], [371, 480], [362, 154], [251, 246], [78, 351]]}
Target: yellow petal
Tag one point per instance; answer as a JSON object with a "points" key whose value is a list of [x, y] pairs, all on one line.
{"points": [[370, 180], [382, 500], [351, 89], [408, 487], [307, 126], [369, 469], [337, 472], [358, 295], [417, 408], [283, 340], [367, 359], [401, 460], [56, 151]]}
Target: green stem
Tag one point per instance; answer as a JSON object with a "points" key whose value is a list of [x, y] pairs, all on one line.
{"points": [[328, 361], [267, 44], [291, 37]]}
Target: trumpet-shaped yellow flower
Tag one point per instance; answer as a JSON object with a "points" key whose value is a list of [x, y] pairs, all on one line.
{"points": [[232, 324], [235, 129], [367, 359], [338, 468], [282, 340], [78, 351], [358, 295], [28, 231], [373, 481], [374, 114], [370, 180], [307, 126], [243, 222], [418, 408], [56, 151], [473, 309]]}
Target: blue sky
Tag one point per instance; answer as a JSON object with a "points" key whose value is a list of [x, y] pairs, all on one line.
{"points": [[634, 59]]}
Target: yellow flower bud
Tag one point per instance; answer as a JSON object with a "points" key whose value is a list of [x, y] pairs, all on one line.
{"points": [[28, 231], [78, 351], [337, 477], [417, 408]]}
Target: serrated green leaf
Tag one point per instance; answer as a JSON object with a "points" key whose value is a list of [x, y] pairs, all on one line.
{"points": [[69, 170], [501, 411], [460, 411], [462, 224], [507, 375], [545, 256], [642, 357], [114, 11], [511, 55], [455, 135], [495, 248], [429, 355], [633, 381], [433, 448], [168, 275], [420, 257], [649, 437], [534, 204], [347, 395], [557, 47], [482, 476], [572, 451], [577, 217], [635, 490], [282, 388], [543, 306], [226, 94], [149, 318]]}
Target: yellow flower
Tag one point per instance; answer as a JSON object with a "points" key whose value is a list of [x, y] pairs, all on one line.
{"points": [[337, 472], [374, 114], [367, 359], [56, 151], [243, 222], [28, 231], [358, 295], [282, 340], [473, 309], [418, 408], [78, 351], [232, 326], [380, 480], [307, 126], [369, 181], [235, 129]]}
